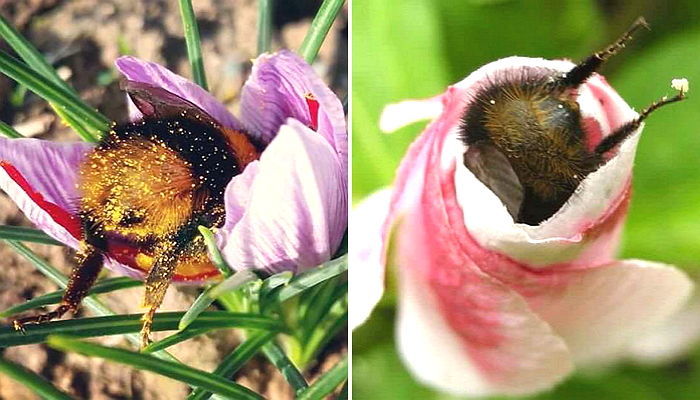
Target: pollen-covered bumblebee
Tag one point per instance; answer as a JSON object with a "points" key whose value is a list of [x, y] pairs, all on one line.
{"points": [[145, 189], [526, 136]]}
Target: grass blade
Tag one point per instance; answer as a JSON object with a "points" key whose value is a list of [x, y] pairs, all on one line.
{"points": [[207, 297], [147, 362], [31, 380], [54, 94], [290, 372], [214, 253], [9, 132], [234, 361], [194, 49], [327, 382], [32, 56], [312, 277], [319, 29], [103, 286], [121, 324], [264, 25], [21, 233], [174, 339]]}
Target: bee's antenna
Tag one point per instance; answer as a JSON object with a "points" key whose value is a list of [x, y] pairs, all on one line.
{"points": [[587, 67], [621, 133]]}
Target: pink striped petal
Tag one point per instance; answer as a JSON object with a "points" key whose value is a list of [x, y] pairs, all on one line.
{"points": [[278, 88], [156, 75], [296, 212], [599, 311], [41, 178], [507, 307]]}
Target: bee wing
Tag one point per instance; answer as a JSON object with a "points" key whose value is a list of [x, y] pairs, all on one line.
{"points": [[156, 102], [492, 168]]}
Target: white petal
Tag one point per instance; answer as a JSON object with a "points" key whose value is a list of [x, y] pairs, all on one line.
{"points": [[365, 255], [600, 310]]}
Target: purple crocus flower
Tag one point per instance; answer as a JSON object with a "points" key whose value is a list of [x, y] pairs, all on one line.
{"points": [[285, 211]]}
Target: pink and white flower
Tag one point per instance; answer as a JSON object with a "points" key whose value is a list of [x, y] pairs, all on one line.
{"points": [[488, 306], [285, 211]]}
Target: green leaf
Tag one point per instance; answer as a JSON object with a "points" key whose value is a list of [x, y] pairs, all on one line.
{"points": [[32, 381], [312, 277], [174, 339], [265, 8], [103, 286], [235, 360], [147, 362], [9, 132], [280, 360], [21, 233], [214, 253], [121, 324], [207, 297], [319, 29], [327, 382], [56, 95], [194, 47]]}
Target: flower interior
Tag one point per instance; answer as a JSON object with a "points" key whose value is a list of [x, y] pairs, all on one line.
{"points": [[527, 140], [145, 190]]}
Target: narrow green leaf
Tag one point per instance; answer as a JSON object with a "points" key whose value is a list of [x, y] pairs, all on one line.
{"points": [[21, 233], [290, 372], [121, 324], [9, 132], [264, 25], [194, 49], [312, 277], [147, 362], [327, 382], [54, 94], [174, 339], [343, 392], [214, 253], [32, 381], [90, 302], [235, 360], [32, 56], [103, 286], [319, 29], [323, 334], [207, 297]]}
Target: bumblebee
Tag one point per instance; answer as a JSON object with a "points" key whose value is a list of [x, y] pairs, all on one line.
{"points": [[145, 189], [526, 138]]}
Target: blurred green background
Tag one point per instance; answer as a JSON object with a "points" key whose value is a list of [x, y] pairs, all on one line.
{"points": [[415, 48]]}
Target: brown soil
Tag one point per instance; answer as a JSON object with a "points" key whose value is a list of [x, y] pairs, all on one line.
{"points": [[82, 38]]}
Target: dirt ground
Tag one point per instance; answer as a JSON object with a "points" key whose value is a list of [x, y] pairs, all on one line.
{"points": [[82, 38]]}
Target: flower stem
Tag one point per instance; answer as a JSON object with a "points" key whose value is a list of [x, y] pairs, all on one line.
{"points": [[265, 8], [194, 49], [319, 29]]}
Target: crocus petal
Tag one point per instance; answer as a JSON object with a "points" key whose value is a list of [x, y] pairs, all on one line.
{"points": [[599, 311], [156, 75], [297, 211], [41, 177], [367, 268], [278, 88]]}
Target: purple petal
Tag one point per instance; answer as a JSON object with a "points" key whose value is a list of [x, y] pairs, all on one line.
{"points": [[296, 212], [41, 177], [154, 74], [278, 88]]}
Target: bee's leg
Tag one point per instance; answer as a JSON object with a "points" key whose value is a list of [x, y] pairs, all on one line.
{"points": [[81, 280], [587, 67], [609, 142], [161, 274]]}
